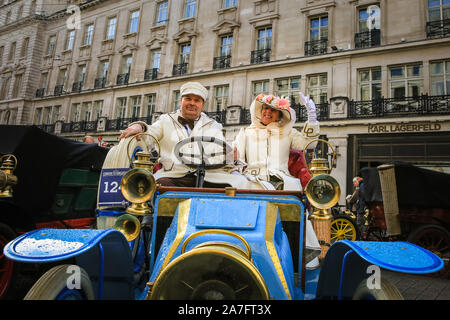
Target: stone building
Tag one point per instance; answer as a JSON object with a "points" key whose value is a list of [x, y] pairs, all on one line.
{"points": [[379, 71]]}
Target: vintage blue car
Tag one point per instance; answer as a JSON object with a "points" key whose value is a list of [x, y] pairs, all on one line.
{"points": [[200, 243]]}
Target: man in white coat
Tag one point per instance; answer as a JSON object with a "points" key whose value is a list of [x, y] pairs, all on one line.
{"points": [[263, 149], [171, 128]]}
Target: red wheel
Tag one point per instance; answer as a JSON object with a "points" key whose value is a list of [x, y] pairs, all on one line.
{"points": [[436, 239], [7, 267]]}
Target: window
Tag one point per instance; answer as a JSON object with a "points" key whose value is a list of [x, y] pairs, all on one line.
{"points": [[51, 45], [126, 63], [369, 84], [221, 98], [38, 116], [43, 83], [264, 38], [111, 28], [81, 73], [5, 84], [88, 34], [134, 22], [150, 101], [406, 81], [162, 13], [226, 44], [122, 107], [176, 100], [229, 3], [288, 87], [24, 49], [17, 85], [62, 77], [135, 106], [368, 18], [75, 112], [98, 109], [103, 69], [440, 78], [260, 87], [55, 114], [12, 51], [2, 49], [317, 86], [46, 119], [8, 17], [70, 40], [318, 28], [438, 10], [189, 8], [155, 59], [19, 12], [185, 51], [86, 111]]}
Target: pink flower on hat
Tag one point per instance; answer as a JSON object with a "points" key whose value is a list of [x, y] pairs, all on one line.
{"points": [[283, 103]]}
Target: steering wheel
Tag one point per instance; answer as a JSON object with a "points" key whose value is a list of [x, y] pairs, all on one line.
{"points": [[194, 160]]}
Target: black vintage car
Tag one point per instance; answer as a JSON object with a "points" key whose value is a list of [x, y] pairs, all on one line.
{"points": [[56, 187], [409, 203]]}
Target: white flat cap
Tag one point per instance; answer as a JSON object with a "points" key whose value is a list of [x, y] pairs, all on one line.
{"points": [[194, 88]]}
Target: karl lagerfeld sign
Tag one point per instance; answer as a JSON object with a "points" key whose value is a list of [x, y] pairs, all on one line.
{"points": [[404, 127]]}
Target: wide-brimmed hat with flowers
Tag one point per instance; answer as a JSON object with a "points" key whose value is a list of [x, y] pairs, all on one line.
{"points": [[278, 103]]}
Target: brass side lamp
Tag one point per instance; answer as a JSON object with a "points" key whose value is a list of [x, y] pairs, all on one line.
{"points": [[8, 164], [323, 193]]}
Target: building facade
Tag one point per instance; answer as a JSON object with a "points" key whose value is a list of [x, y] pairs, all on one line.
{"points": [[378, 71]]}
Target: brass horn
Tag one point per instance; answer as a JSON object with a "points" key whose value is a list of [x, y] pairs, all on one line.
{"points": [[129, 225], [138, 186]]}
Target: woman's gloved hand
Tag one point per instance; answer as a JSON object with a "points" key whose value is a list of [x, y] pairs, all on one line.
{"points": [[310, 107]]}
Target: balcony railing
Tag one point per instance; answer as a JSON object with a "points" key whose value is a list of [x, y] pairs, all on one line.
{"points": [[123, 78], [438, 29], [151, 74], [222, 62], [379, 108], [40, 92], [367, 39], [99, 83], [395, 107], [122, 123], [59, 89], [179, 69], [76, 86], [260, 56], [49, 128], [79, 126], [316, 47]]}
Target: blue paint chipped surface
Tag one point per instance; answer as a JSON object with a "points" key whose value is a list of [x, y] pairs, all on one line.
{"points": [[397, 256], [53, 244]]}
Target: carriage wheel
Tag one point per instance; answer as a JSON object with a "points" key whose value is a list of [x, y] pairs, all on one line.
{"points": [[53, 285], [8, 269], [436, 239], [386, 291], [343, 228]]}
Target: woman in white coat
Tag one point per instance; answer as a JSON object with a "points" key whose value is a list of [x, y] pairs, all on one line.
{"points": [[264, 146], [263, 149]]}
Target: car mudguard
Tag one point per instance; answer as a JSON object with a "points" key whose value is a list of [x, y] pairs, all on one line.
{"points": [[347, 264], [104, 254]]}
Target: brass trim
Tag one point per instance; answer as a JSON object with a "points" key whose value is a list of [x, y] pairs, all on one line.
{"points": [[271, 219], [215, 250], [218, 231], [183, 216]]}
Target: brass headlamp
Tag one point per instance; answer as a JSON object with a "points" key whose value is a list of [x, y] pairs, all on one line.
{"points": [[7, 178], [323, 192], [138, 185]]}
